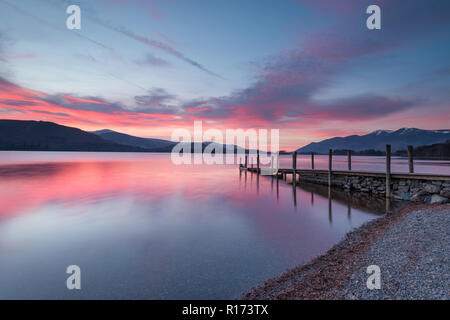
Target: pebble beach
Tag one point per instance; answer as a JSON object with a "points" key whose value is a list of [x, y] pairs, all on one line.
{"points": [[411, 247]]}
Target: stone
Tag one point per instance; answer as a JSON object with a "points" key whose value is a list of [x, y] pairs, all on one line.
{"points": [[438, 199], [402, 196], [445, 193], [419, 196], [432, 188], [415, 184]]}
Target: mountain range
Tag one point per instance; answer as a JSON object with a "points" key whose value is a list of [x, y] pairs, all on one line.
{"points": [[156, 145], [42, 135], [49, 136], [377, 140]]}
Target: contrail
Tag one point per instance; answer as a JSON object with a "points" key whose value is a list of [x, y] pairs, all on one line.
{"points": [[158, 45], [54, 27], [149, 42]]}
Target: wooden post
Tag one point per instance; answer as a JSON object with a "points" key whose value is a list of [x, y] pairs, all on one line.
{"points": [[294, 167], [388, 171], [411, 159], [294, 195], [257, 163], [330, 165], [330, 208], [246, 160], [257, 182], [312, 160], [349, 160]]}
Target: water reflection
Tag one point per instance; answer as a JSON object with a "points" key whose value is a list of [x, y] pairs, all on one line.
{"points": [[330, 212], [141, 227], [294, 195]]}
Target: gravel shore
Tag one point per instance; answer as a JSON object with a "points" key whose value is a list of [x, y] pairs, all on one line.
{"points": [[411, 247]]}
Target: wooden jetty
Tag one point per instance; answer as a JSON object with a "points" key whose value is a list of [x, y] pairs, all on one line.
{"points": [[402, 186]]}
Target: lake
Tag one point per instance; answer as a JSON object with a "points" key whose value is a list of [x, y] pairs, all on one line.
{"points": [[140, 227]]}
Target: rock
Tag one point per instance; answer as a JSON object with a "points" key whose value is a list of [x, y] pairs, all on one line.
{"points": [[432, 188], [401, 196], [419, 196], [445, 193], [438, 199]]}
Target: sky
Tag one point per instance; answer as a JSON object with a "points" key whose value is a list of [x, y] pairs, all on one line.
{"points": [[310, 68]]}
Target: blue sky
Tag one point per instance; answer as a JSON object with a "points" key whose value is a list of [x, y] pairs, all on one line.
{"points": [[208, 31]]}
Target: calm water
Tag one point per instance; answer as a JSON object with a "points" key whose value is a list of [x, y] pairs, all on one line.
{"points": [[140, 227]]}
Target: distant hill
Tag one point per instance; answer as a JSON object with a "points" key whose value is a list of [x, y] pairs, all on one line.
{"points": [[369, 152], [49, 136], [434, 151], [377, 140], [42, 135], [129, 140], [151, 144]]}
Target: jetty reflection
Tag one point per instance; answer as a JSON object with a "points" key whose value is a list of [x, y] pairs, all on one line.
{"points": [[351, 200]]}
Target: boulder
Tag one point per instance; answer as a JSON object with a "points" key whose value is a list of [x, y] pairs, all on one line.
{"points": [[432, 188], [445, 193], [438, 199], [402, 196], [419, 196]]}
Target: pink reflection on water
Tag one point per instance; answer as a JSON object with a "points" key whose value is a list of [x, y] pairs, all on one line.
{"points": [[27, 186], [31, 179], [113, 213]]}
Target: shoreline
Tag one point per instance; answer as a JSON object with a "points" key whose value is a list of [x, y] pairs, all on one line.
{"points": [[405, 256]]}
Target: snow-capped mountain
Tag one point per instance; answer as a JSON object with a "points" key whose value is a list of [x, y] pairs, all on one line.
{"points": [[378, 139]]}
